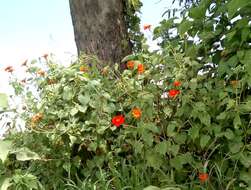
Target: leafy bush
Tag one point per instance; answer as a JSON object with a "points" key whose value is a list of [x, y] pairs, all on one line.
{"points": [[178, 118]]}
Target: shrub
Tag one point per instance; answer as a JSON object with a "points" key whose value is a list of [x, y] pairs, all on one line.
{"points": [[178, 118]]}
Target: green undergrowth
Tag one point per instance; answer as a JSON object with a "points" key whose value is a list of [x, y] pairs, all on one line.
{"points": [[194, 102]]}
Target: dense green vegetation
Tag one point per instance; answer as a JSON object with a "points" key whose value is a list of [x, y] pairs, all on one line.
{"points": [[178, 118]]}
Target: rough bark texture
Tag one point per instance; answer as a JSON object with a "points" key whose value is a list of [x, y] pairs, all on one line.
{"points": [[100, 28]]}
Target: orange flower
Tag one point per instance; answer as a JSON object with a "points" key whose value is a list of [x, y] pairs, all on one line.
{"points": [[147, 26], [36, 118], [176, 83], [130, 64], [83, 68], [105, 70], [234, 83], [51, 81], [136, 113], [203, 177], [9, 69], [173, 93], [45, 56], [41, 73], [23, 81], [25, 63], [141, 68]]}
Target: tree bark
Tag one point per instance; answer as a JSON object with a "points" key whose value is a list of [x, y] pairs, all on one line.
{"points": [[100, 28]]}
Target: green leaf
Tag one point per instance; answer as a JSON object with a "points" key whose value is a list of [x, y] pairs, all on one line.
{"points": [[82, 108], [151, 188], [199, 12], [245, 34], [106, 95], [148, 138], [222, 116], [68, 93], [180, 160], [153, 159], [5, 183], [74, 111], [101, 129], [184, 27], [175, 163], [137, 145], [24, 154], [246, 177], [5, 148], [171, 129], [235, 147], [174, 149], [84, 99], [151, 127], [168, 111], [247, 62], [3, 100], [27, 179], [246, 159], [235, 5], [92, 146], [200, 106], [205, 118], [229, 134], [67, 166], [162, 147], [180, 138], [231, 104], [109, 108], [237, 121], [194, 132], [129, 57], [245, 107], [204, 140], [135, 3]]}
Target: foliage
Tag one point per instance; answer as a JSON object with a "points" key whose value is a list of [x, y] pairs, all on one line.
{"points": [[192, 121], [132, 9], [182, 7], [3, 101]]}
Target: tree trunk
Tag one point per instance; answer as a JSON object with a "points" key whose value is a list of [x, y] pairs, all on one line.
{"points": [[100, 29]]}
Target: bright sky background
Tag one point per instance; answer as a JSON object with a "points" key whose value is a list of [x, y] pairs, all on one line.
{"points": [[31, 28]]}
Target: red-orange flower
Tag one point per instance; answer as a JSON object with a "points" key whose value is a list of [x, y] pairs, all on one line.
{"points": [[83, 68], [25, 62], [51, 81], [45, 56], [141, 68], [130, 64], [173, 92], [36, 118], [23, 81], [9, 69], [147, 26], [136, 113], [118, 120], [176, 83], [203, 177], [234, 83], [105, 71], [41, 73]]}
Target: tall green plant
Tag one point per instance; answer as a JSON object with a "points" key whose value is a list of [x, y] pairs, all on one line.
{"points": [[178, 118]]}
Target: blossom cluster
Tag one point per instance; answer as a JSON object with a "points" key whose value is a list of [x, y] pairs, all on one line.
{"points": [[119, 119]]}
